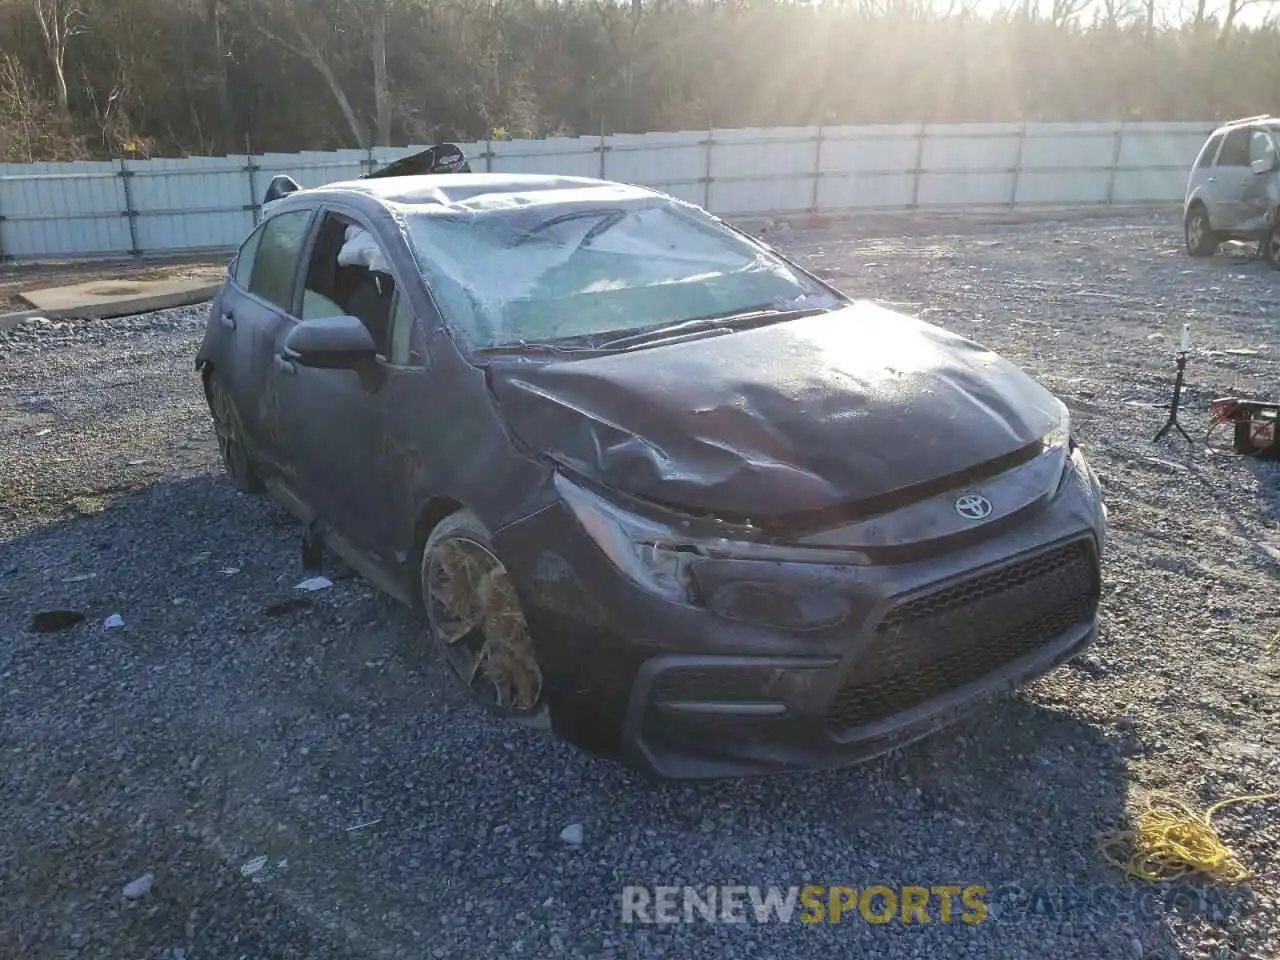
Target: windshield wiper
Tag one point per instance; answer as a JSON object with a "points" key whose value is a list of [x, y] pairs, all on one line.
{"points": [[533, 349], [742, 319]]}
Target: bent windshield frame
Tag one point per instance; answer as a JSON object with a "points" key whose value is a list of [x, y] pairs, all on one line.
{"points": [[547, 273]]}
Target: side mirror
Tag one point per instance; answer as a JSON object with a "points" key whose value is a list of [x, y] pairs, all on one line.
{"points": [[1265, 165], [334, 343]]}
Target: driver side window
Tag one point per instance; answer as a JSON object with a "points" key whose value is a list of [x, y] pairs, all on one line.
{"points": [[349, 275]]}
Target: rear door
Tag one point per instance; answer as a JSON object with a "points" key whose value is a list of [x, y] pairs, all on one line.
{"points": [[1231, 177], [254, 304]]}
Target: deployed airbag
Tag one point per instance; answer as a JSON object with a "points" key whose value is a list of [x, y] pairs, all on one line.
{"points": [[360, 250]]}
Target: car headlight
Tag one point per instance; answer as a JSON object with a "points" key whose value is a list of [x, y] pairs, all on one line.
{"points": [[1057, 443], [646, 551], [657, 556], [1060, 436]]}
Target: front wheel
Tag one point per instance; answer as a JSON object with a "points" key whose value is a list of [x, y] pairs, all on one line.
{"points": [[476, 621], [1201, 241]]}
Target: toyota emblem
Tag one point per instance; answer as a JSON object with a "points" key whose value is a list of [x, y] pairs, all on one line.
{"points": [[973, 506]]}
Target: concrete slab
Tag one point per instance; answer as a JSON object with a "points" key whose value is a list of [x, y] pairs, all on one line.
{"points": [[118, 298]]}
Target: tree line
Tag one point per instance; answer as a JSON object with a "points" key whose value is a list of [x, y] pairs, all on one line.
{"points": [[99, 78]]}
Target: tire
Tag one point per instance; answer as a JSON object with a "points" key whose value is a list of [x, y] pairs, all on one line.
{"points": [[494, 668], [236, 462], [1201, 240], [1269, 248]]}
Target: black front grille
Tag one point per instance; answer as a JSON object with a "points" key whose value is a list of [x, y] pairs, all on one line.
{"points": [[942, 640]]}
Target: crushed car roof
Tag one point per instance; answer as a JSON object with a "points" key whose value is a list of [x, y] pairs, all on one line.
{"points": [[472, 192]]}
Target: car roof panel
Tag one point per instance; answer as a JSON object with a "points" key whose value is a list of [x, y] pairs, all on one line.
{"points": [[475, 192]]}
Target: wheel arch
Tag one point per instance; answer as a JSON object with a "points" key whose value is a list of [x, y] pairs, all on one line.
{"points": [[429, 517]]}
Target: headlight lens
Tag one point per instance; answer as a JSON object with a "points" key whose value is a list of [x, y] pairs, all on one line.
{"points": [[1060, 435], [658, 556], [645, 551], [1058, 443]]}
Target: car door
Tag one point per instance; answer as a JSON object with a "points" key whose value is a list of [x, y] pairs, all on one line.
{"points": [[1230, 178], [253, 305], [1256, 198], [331, 420]]}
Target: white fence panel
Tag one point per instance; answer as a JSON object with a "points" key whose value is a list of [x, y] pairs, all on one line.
{"points": [[566, 156], [52, 210], [74, 209], [868, 167], [196, 204], [762, 171], [675, 163], [968, 165]]}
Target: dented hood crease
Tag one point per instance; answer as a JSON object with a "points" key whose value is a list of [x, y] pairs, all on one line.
{"points": [[799, 416]]}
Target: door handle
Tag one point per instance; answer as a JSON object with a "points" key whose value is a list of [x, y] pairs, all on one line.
{"points": [[228, 319], [1211, 180], [285, 365]]}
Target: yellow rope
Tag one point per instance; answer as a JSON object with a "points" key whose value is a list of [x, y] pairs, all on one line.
{"points": [[1171, 841]]}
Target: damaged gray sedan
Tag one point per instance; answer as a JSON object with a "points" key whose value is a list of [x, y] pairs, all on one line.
{"points": [[652, 483]]}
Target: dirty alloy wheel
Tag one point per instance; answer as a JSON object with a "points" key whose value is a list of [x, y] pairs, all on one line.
{"points": [[1201, 241], [1270, 248], [235, 459], [476, 621]]}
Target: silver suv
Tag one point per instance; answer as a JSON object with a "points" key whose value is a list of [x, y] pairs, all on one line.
{"points": [[1234, 189]]}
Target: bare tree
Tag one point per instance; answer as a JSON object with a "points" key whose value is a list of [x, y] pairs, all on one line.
{"points": [[1064, 11], [57, 27], [302, 43], [620, 29], [381, 92], [1234, 7]]}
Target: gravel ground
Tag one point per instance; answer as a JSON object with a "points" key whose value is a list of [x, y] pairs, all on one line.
{"points": [[214, 728]]}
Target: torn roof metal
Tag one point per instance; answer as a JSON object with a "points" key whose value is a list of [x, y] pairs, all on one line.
{"points": [[479, 192]]}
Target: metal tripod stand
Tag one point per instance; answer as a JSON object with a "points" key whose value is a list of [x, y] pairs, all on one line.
{"points": [[1177, 398]]}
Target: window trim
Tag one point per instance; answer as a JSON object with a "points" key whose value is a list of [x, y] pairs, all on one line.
{"points": [[417, 323], [308, 240]]}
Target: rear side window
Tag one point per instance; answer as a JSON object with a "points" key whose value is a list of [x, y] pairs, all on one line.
{"points": [[268, 264], [1235, 150], [1210, 150]]}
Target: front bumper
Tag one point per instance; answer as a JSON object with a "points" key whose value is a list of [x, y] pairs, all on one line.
{"points": [[680, 691]]}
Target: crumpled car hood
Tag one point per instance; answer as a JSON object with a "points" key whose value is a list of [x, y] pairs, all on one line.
{"points": [[800, 416]]}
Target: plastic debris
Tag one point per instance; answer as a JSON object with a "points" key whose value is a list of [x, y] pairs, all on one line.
{"points": [[572, 834], [250, 867], [361, 826], [115, 620], [50, 621], [229, 571], [140, 887], [45, 432], [315, 583]]}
